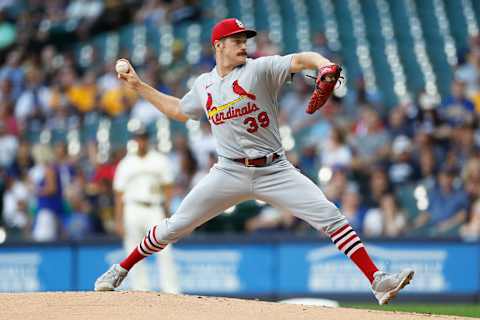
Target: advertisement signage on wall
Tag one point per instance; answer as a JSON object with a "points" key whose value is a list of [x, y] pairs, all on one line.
{"points": [[217, 269], [39, 269], [323, 269], [277, 269]]}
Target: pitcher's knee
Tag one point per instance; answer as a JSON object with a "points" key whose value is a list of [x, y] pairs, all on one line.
{"points": [[169, 231], [335, 219]]}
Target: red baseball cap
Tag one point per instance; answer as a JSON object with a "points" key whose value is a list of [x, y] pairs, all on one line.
{"points": [[228, 27]]}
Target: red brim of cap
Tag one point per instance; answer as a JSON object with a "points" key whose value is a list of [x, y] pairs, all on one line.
{"points": [[248, 32]]}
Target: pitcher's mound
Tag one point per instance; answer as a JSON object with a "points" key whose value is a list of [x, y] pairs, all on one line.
{"points": [[152, 305]]}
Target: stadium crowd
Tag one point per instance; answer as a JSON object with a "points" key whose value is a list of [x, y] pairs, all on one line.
{"points": [[412, 170]]}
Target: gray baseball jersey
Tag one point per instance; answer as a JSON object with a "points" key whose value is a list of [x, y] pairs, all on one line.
{"points": [[242, 107]]}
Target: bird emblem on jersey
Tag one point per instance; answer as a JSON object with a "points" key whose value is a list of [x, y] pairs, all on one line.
{"points": [[242, 92], [209, 102]]}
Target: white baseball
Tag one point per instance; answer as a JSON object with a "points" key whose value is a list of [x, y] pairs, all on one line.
{"points": [[122, 66]]}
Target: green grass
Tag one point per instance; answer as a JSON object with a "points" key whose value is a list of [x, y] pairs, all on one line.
{"points": [[465, 310]]}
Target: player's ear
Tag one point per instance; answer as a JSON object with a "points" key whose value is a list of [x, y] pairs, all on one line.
{"points": [[218, 44]]}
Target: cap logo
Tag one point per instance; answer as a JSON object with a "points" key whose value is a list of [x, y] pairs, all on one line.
{"points": [[239, 24]]}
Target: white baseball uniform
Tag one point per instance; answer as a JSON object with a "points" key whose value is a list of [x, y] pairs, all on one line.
{"points": [[141, 179], [242, 109]]}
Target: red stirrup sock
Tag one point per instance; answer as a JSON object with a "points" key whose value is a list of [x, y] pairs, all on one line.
{"points": [[147, 247], [350, 244]]}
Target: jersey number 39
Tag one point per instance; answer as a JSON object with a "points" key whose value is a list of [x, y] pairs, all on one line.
{"points": [[253, 123]]}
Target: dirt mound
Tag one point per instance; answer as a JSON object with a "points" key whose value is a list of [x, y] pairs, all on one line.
{"points": [[151, 305]]}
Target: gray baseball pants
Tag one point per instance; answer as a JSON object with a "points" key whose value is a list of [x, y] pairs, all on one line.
{"points": [[280, 184]]}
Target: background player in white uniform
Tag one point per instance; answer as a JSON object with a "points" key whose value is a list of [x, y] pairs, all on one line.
{"points": [[142, 183], [239, 98]]}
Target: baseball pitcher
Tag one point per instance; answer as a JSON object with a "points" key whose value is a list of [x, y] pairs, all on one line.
{"points": [[141, 184], [239, 98]]}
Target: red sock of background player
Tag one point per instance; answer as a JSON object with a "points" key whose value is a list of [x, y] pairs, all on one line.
{"points": [[350, 244], [147, 247]]}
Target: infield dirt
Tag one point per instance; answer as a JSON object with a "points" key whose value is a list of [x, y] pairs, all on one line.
{"points": [[153, 305]]}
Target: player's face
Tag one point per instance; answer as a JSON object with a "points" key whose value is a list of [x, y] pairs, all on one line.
{"points": [[234, 49], [142, 142]]}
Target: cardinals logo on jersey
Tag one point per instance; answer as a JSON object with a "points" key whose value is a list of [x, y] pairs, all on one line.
{"points": [[232, 109], [209, 102], [242, 92]]}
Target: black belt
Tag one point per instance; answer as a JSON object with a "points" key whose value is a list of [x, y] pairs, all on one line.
{"points": [[257, 162], [145, 203]]}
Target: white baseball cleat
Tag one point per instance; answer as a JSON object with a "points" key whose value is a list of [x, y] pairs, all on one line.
{"points": [[385, 286], [111, 279]]}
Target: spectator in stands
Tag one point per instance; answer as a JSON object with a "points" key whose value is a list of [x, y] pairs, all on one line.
{"points": [[82, 93], [62, 121], [50, 61], [291, 114], [79, 224], [35, 99], [65, 165], [351, 206], [23, 160], [398, 124], [16, 201], [6, 90], [53, 21], [8, 119], [467, 70], [100, 186], [202, 145], [8, 147], [463, 144], [153, 13], [471, 178], [470, 231], [370, 140], [424, 140], [13, 72], [178, 68], [402, 169], [206, 61], [447, 207], [378, 185], [334, 151], [48, 223], [428, 168], [428, 119], [308, 160], [182, 11], [457, 108], [361, 95], [180, 143], [83, 14], [188, 170], [142, 110], [117, 100], [270, 220], [337, 185], [388, 220]]}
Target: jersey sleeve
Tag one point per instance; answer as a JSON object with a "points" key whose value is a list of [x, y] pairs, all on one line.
{"points": [[191, 104], [274, 70], [120, 177]]}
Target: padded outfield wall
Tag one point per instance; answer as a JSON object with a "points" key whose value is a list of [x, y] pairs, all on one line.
{"points": [[266, 267]]}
